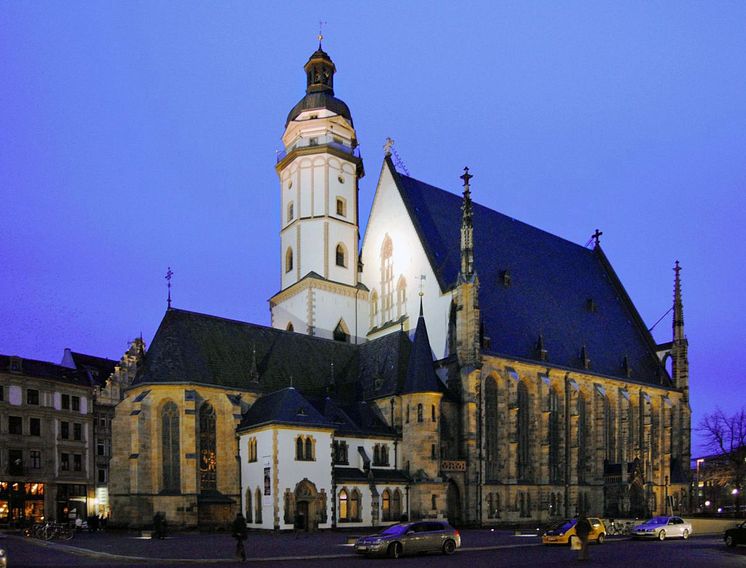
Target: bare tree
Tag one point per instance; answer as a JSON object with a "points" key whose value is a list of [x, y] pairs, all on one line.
{"points": [[726, 436]]}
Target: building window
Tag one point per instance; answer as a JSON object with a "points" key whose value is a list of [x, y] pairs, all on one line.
{"points": [[258, 506], [305, 448], [396, 506], [32, 396], [15, 425], [401, 296], [341, 333], [433, 452], [434, 502], [343, 506], [64, 462], [432, 413], [291, 212], [288, 260], [373, 308], [341, 256], [419, 413], [75, 403], [387, 278], [299, 449], [77, 431], [101, 475], [523, 433], [493, 506], [15, 462], [407, 414], [77, 462], [341, 453], [248, 508], [386, 505], [490, 427], [170, 443], [35, 456], [64, 430], [252, 450], [341, 207], [2, 393], [309, 450], [35, 426], [207, 448], [65, 402], [554, 437], [355, 505], [582, 435], [609, 439], [100, 448]]}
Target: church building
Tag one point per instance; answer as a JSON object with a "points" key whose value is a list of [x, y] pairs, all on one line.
{"points": [[456, 364]]}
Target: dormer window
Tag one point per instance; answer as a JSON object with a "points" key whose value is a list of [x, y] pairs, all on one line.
{"points": [[590, 306], [505, 278], [313, 141]]}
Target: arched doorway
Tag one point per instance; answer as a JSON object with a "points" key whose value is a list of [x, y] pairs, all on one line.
{"points": [[307, 512], [453, 503]]}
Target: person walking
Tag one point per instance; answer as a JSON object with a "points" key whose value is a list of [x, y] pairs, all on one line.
{"points": [[583, 529], [239, 531]]}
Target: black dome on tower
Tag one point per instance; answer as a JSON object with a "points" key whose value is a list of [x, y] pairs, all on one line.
{"points": [[320, 71]]}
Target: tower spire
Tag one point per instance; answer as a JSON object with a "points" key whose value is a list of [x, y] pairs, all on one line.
{"points": [[679, 346], [467, 231], [678, 306]]}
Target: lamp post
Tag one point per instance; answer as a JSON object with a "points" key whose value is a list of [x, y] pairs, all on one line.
{"points": [[700, 461]]}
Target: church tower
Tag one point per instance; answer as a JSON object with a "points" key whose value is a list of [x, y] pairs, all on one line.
{"points": [[319, 171]]}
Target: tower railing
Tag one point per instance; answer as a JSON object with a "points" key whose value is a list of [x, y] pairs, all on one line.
{"points": [[355, 152]]}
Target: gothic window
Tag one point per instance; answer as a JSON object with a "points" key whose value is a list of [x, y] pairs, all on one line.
{"points": [[490, 505], [309, 450], [289, 260], [554, 437], [340, 332], [376, 455], [522, 424], [582, 434], [386, 505], [258, 506], [609, 439], [299, 449], [341, 256], [387, 278], [290, 326], [401, 296], [341, 207], [373, 308], [207, 448], [490, 428], [248, 507], [493, 505], [340, 452], [291, 212], [396, 505], [252, 450], [343, 506], [384, 455], [355, 505], [432, 413], [171, 471], [419, 413]]}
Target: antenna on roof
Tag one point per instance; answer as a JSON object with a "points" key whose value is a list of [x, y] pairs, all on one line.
{"points": [[169, 275]]}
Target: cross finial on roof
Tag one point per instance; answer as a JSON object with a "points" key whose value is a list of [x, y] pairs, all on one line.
{"points": [[677, 268], [597, 237], [466, 177], [321, 35], [422, 278], [169, 275], [387, 146]]}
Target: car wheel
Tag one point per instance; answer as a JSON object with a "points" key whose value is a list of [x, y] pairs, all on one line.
{"points": [[685, 534], [449, 547], [662, 535], [573, 539], [601, 538], [395, 550], [730, 541]]}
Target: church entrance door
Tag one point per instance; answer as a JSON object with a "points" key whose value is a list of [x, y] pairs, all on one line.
{"points": [[302, 522], [453, 503], [306, 497]]}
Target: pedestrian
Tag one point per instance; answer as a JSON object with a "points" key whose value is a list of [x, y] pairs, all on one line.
{"points": [[583, 529], [157, 526], [239, 533]]}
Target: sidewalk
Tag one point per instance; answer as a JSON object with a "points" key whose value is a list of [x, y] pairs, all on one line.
{"points": [[219, 547]]}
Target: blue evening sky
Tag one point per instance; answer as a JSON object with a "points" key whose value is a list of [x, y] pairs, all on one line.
{"points": [[140, 135]]}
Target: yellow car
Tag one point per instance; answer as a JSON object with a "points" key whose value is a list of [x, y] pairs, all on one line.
{"points": [[564, 532]]}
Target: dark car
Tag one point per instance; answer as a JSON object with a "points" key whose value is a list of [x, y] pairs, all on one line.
{"points": [[736, 535], [411, 538]]}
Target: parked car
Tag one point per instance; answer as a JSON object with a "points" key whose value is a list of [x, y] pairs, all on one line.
{"points": [[411, 538], [736, 535], [564, 532], [663, 528]]}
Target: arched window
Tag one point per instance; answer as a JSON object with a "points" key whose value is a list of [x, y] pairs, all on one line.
{"points": [[249, 508], [207, 448], [401, 296], [373, 308], [554, 437], [523, 422], [291, 214], [384, 455], [299, 449], [290, 326], [341, 333], [258, 506], [309, 450], [396, 506], [343, 506], [582, 434], [170, 448], [386, 505], [432, 413], [419, 413], [387, 278], [609, 438], [341, 207], [341, 255], [490, 428], [288, 260], [355, 505], [376, 455]]}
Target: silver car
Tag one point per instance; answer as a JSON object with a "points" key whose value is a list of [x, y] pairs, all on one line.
{"points": [[663, 528], [411, 538]]}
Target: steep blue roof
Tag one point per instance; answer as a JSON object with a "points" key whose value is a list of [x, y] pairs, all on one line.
{"points": [[556, 289], [286, 406], [421, 375]]}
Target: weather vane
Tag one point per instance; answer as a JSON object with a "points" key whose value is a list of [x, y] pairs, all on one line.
{"points": [[169, 275], [422, 278], [321, 35]]}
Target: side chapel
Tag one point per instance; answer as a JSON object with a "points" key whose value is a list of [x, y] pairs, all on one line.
{"points": [[459, 364]]}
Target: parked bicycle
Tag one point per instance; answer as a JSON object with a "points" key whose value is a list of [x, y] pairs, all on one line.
{"points": [[49, 531]]}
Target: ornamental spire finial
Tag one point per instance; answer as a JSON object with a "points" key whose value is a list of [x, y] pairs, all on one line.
{"points": [[169, 275], [467, 230], [321, 34]]}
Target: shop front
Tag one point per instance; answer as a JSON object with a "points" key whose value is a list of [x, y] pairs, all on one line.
{"points": [[72, 502], [21, 502]]}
